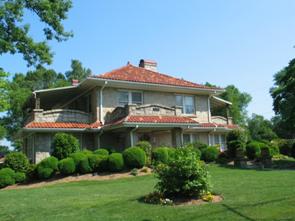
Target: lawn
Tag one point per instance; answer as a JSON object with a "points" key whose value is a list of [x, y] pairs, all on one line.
{"points": [[248, 195]]}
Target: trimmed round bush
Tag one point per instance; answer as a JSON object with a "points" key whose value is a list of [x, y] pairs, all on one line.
{"points": [[116, 162], [44, 172], [253, 150], [101, 151], [49, 162], [210, 154], [7, 177], [64, 144], [81, 162], [98, 163], [134, 157], [146, 147], [66, 166], [20, 177], [160, 155], [17, 161], [87, 152]]}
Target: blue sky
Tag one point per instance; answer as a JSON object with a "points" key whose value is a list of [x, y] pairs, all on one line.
{"points": [[220, 41]]}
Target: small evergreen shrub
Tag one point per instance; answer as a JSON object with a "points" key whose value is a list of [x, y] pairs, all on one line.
{"points": [[134, 157], [183, 176], [17, 161], [20, 177], [67, 166], [116, 162], [44, 172], [160, 155], [49, 162], [253, 150], [146, 147], [64, 144], [7, 177], [198, 145], [210, 154], [232, 146], [101, 151], [81, 162], [87, 152]]}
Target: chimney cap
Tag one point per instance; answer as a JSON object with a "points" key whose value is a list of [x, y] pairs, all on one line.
{"points": [[148, 64], [147, 61]]}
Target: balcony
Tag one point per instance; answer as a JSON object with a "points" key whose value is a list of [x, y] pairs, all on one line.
{"points": [[60, 115]]}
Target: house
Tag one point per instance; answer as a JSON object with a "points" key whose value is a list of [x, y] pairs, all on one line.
{"points": [[121, 107]]}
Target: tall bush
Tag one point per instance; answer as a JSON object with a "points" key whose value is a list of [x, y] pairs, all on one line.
{"points": [[253, 150], [64, 144], [17, 161], [183, 175], [146, 147], [134, 157]]}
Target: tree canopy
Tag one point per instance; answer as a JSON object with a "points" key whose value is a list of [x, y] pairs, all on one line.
{"points": [[77, 71], [260, 128], [283, 94]]}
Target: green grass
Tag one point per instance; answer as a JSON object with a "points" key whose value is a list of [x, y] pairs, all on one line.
{"points": [[248, 195]]}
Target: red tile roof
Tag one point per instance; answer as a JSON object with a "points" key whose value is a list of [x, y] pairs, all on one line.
{"points": [[142, 75], [230, 126], [160, 119], [62, 125]]}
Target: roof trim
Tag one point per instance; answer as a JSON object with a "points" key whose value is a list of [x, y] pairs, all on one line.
{"points": [[222, 100]]}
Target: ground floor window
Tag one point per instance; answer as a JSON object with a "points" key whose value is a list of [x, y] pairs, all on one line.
{"points": [[218, 139], [190, 138]]}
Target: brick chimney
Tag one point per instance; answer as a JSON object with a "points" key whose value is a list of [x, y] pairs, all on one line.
{"points": [[75, 82], [148, 64]]}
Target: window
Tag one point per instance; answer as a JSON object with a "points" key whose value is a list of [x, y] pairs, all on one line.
{"points": [[187, 103], [129, 97], [186, 139], [218, 139]]}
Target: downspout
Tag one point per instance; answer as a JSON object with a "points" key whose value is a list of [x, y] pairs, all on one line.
{"points": [[209, 108], [131, 135], [101, 101]]}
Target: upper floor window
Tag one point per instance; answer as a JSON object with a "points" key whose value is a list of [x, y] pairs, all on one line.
{"points": [[130, 97], [187, 103]]}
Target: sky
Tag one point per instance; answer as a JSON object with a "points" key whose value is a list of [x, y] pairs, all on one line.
{"points": [[223, 42]]}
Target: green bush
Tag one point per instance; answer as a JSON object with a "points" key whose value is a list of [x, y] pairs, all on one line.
{"points": [[64, 144], [198, 145], [146, 147], [20, 177], [184, 175], [274, 149], [134, 157], [233, 145], [210, 154], [160, 155], [116, 162], [32, 172], [81, 162], [101, 151], [7, 177], [253, 150], [44, 172], [17, 161], [98, 163], [49, 162], [67, 166], [87, 152], [285, 146], [237, 135], [222, 158]]}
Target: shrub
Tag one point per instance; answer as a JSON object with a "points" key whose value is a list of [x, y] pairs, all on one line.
{"points": [[115, 162], [49, 162], [253, 150], [134, 172], [184, 175], [146, 147], [64, 144], [32, 172], [274, 149], [210, 154], [17, 161], [236, 135], [44, 172], [223, 157], [7, 177], [81, 162], [232, 146], [87, 152], [101, 151], [66, 166], [134, 157], [20, 177], [160, 155], [285, 146], [198, 145], [98, 163]]}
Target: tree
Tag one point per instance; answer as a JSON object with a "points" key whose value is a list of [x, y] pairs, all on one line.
{"points": [[77, 72], [239, 100], [14, 33], [260, 128], [20, 89], [4, 104], [283, 94]]}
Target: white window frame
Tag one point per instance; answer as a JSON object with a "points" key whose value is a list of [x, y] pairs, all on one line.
{"points": [[191, 137], [129, 96], [183, 103], [222, 146]]}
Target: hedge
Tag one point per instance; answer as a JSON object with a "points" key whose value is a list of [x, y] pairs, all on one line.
{"points": [[116, 162], [67, 166], [134, 157], [101, 151]]}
